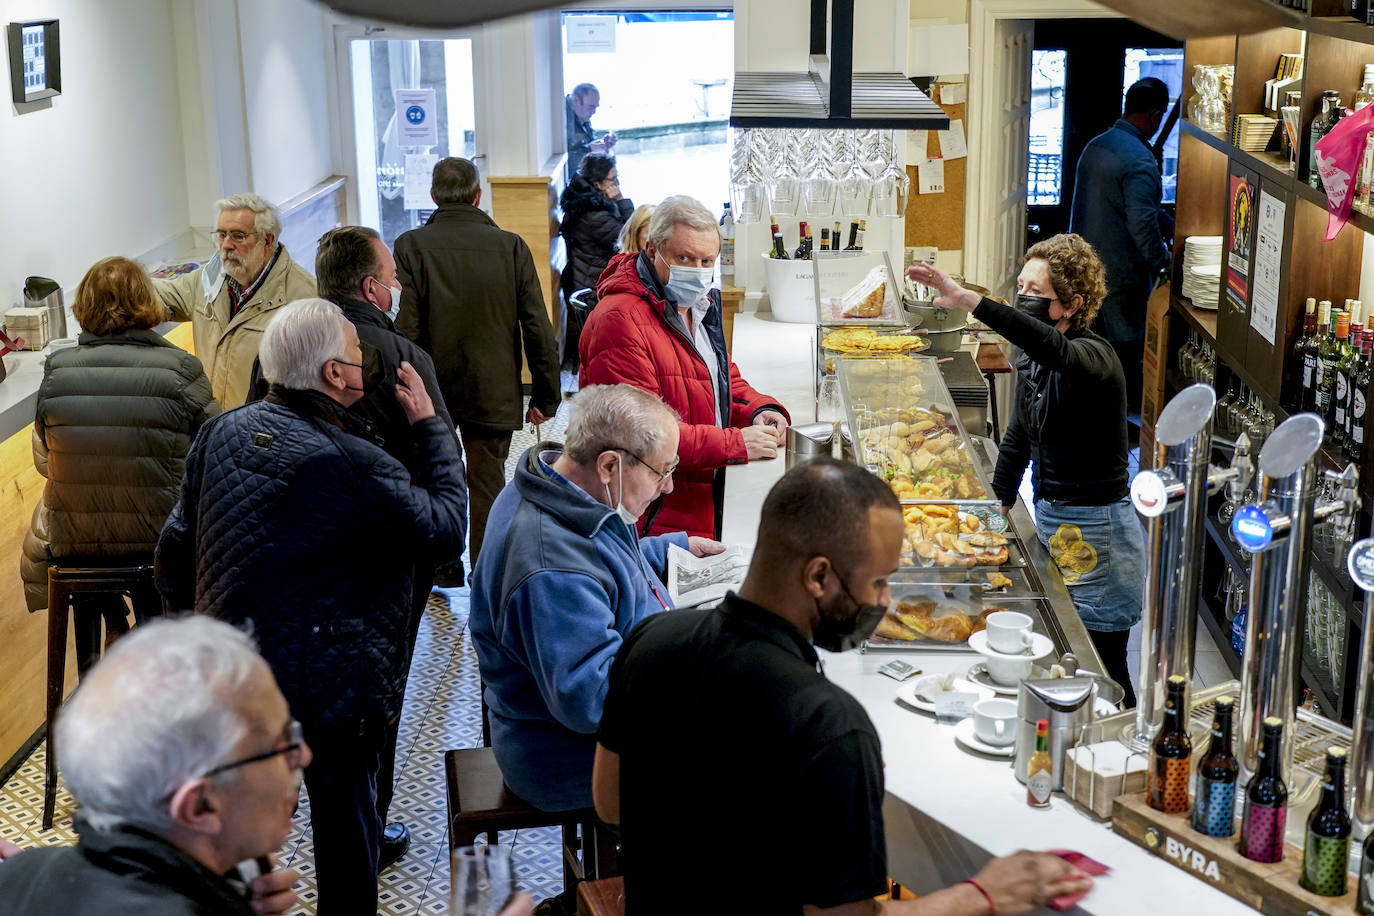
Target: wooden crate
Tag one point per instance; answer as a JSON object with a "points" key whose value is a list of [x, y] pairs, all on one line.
{"points": [[1273, 889]]}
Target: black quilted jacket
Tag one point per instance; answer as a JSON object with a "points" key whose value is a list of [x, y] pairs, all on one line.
{"points": [[290, 523], [591, 227]]}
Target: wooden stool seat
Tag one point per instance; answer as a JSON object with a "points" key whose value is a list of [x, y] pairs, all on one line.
{"points": [[480, 802], [63, 582], [605, 897]]}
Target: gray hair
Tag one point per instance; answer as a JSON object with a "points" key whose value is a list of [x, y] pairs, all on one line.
{"points": [[454, 181], [266, 220], [605, 417], [679, 209], [582, 89], [300, 338], [158, 710]]}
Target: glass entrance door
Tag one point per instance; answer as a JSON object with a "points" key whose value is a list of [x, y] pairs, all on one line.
{"points": [[393, 154]]}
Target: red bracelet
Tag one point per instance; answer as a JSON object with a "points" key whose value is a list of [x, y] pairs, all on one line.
{"points": [[992, 907]]}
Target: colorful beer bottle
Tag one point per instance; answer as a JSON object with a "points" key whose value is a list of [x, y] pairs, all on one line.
{"points": [[1214, 800], [1266, 801], [1326, 852], [1171, 754]]}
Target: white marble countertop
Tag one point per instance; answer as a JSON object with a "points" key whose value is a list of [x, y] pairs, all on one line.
{"points": [[974, 801]]}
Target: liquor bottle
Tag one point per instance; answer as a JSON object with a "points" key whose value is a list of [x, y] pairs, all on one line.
{"points": [[1040, 769], [727, 247], [859, 237], [1306, 350], [1326, 850], [1357, 336], [800, 253], [1326, 359], [835, 237], [1171, 754], [1321, 126], [853, 235], [1359, 401], [1365, 94], [825, 239], [779, 249], [810, 243], [1266, 801], [1345, 365], [1214, 800]]}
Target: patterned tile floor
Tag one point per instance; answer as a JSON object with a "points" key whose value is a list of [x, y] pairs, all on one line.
{"points": [[442, 710]]}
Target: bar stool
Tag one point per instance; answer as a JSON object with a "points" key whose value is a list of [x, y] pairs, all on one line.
{"points": [[63, 582], [479, 802]]}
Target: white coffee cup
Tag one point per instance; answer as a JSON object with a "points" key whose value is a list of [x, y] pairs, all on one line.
{"points": [[1009, 632], [994, 721]]}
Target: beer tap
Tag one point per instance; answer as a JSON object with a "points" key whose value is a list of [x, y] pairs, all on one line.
{"points": [[1277, 531]]}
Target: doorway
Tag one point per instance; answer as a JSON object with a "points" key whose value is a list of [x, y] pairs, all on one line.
{"points": [[393, 165], [1073, 100], [665, 79]]}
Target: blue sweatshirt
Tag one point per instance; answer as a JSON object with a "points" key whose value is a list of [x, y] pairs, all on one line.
{"points": [[560, 582]]}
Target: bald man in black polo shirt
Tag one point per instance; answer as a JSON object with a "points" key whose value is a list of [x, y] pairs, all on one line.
{"points": [[722, 714]]}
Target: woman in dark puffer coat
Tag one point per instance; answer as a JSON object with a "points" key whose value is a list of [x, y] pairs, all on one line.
{"points": [[593, 214], [116, 416]]}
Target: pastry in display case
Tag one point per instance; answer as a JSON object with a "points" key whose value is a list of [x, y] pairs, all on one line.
{"points": [[856, 288], [942, 616], [907, 431]]}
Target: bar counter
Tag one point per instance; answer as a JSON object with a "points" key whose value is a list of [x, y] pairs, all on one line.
{"points": [[949, 810]]}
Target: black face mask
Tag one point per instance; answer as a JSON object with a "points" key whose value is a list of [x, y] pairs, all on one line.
{"points": [[840, 634], [1037, 307]]}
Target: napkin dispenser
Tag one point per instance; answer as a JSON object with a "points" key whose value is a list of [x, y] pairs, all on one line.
{"points": [[43, 293], [1067, 703], [813, 440]]}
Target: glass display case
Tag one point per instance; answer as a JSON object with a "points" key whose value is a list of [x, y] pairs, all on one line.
{"points": [[857, 289], [906, 430]]}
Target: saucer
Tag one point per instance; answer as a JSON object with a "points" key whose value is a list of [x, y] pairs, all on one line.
{"points": [[1040, 647], [964, 735], [978, 674], [908, 692]]}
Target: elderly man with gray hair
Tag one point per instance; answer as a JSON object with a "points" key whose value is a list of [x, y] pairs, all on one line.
{"points": [[291, 520], [563, 579], [658, 325], [230, 298], [185, 761]]}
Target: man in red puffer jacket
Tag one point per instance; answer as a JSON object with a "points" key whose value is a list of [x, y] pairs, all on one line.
{"points": [[658, 326]]}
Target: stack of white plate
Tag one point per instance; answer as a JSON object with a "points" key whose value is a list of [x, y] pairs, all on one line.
{"points": [[1202, 270]]}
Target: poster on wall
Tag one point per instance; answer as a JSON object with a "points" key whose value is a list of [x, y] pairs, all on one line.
{"points": [[1240, 233], [1264, 308], [416, 124], [419, 174]]}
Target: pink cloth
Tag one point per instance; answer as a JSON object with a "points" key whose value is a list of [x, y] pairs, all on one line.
{"points": [[1085, 864], [1338, 162]]}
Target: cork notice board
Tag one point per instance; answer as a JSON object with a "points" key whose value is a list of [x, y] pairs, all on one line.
{"points": [[938, 219]]}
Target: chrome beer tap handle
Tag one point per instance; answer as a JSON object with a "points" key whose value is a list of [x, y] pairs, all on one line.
{"points": [[1345, 508], [1244, 468]]}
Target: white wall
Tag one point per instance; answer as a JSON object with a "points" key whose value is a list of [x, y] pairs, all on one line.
{"points": [[285, 83], [99, 169]]}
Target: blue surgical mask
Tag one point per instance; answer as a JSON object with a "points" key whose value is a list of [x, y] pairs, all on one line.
{"points": [[686, 284]]}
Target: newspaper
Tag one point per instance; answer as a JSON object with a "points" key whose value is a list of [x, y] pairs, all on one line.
{"points": [[698, 580]]}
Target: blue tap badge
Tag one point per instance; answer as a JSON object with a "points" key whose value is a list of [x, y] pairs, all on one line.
{"points": [[1251, 528], [415, 114], [1360, 564]]}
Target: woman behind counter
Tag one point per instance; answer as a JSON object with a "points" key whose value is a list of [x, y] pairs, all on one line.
{"points": [[116, 415], [1069, 423]]}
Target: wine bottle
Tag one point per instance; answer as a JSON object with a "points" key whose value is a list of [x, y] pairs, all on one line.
{"points": [[800, 253], [1321, 126], [859, 236], [1326, 360], [1214, 800], [1307, 357], [1359, 401], [727, 247], [779, 249], [1040, 768], [1344, 364], [853, 235], [1326, 850], [1266, 801], [1171, 754], [809, 239], [825, 239], [835, 237]]}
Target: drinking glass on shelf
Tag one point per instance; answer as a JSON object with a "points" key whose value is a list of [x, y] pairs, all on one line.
{"points": [[481, 881]]}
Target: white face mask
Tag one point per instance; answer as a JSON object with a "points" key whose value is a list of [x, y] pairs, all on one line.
{"points": [[686, 285], [395, 311], [626, 516]]}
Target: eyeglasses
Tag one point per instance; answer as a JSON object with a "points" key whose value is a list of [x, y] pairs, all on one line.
{"points": [[237, 237], [662, 475], [293, 736]]}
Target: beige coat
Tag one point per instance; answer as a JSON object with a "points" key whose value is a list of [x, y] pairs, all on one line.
{"points": [[227, 347]]}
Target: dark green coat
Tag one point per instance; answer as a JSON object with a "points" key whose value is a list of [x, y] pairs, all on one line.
{"points": [[115, 418]]}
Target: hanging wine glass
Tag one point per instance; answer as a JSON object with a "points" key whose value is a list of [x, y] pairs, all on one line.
{"points": [[748, 196], [856, 188]]}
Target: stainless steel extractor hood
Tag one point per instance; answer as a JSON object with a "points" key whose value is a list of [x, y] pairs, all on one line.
{"points": [[830, 94]]}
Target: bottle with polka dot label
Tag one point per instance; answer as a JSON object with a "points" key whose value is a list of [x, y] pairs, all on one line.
{"points": [[1326, 852], [1265, 814], [1171, 754], [1214, 798]]}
